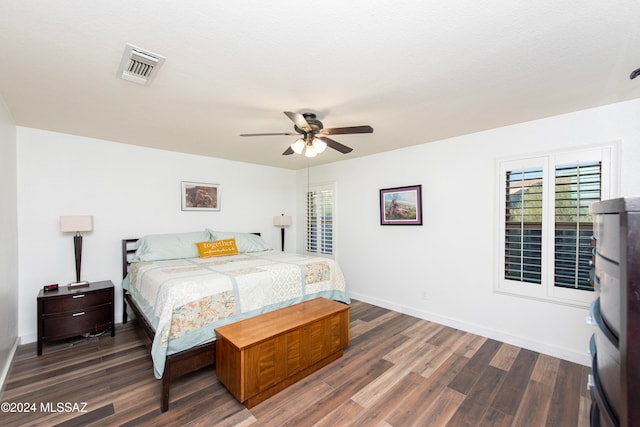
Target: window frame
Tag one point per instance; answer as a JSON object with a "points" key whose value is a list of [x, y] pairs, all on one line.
{"points": [[547, 291]]}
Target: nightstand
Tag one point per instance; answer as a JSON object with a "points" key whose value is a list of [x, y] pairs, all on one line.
{"points": [[68, 312]]}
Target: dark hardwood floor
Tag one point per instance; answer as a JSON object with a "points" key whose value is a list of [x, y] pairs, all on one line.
{"points": [[397, 371]]}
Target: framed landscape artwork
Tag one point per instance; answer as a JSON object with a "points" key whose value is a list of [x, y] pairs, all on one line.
{"points": [[198, 196], [401, 205]]}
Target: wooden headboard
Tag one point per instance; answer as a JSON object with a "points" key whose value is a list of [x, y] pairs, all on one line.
{"points": [[129, 247]]}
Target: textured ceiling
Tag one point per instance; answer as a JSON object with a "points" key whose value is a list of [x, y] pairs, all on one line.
{"points": [[417, 71]]}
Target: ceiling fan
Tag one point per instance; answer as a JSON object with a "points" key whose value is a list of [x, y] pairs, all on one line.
{"points": [[313, 139]]}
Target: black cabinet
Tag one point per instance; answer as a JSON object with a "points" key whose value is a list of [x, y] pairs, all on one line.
{"points": [[615, 344]]}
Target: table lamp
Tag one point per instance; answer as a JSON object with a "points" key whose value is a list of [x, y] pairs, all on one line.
{"points": [[77, 224], [282, 221]]}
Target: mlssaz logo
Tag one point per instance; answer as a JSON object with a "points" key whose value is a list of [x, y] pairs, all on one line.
{"points": [[63, 407]]}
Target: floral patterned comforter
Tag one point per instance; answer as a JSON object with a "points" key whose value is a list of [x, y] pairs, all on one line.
{"points": [[186, 299]]}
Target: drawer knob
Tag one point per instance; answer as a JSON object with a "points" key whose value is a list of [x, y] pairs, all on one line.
{"points": [[78, 314], [590, 382], [78, 296]]}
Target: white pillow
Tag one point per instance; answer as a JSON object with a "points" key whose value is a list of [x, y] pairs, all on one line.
{"points": [[246, 242], [156, 247]]}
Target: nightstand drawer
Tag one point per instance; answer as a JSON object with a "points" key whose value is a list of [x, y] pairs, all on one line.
{"points": [[76, 323], [75, 302]]}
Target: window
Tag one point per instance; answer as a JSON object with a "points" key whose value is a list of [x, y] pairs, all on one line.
{"points": [[320, 220], [545, 226]]}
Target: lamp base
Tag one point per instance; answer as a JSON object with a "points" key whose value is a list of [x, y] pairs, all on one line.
{"points": [[80, 284]]}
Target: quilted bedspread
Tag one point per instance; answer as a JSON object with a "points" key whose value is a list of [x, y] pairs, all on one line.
{"points": [[186, 299]]}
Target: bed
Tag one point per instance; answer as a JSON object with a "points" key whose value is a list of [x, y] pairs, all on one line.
{"points": [[180, 292]]}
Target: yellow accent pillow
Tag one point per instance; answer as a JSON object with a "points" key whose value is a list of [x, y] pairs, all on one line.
{"points": [[217, 248]]}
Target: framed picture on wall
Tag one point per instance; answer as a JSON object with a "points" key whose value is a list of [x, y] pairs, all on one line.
{"points": [[199, 196], [401, 205]]}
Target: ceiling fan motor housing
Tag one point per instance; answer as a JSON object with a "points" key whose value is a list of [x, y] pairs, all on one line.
{"points": [[315, 124]]}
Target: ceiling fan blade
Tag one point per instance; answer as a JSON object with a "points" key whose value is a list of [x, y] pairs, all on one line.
{"points": [[335, 145], [299, 120], [268, 134], [346, 130], [288, 151]]}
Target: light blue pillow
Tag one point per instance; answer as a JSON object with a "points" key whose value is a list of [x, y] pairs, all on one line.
{"points": [[246, 242], [156, 247]]}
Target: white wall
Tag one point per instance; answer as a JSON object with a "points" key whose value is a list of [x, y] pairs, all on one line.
{"points": [[445, 270], [130, 191], [8, 242]]}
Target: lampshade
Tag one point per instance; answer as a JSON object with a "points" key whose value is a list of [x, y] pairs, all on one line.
{"points": [[75, 224], [298, 146], [319, 145], [310, 151], [282, 220]]}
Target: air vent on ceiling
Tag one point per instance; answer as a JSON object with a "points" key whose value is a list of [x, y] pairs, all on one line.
{"points": [[138, 65]]}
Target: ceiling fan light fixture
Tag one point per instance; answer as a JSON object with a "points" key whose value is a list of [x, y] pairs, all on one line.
{"points": [[298, 146], [319, 145], [310, 151]]}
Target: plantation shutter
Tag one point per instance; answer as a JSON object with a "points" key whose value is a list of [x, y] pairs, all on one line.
{"points": [[576, 187], [523, 225], [319, 233]]}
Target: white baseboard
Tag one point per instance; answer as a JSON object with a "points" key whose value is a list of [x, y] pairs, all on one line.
{"points": [[7, 363], [544, 348], [27, 339]]}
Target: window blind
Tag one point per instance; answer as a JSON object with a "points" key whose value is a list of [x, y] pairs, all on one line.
{"points": [[576, 187], [523, 225], [319, 233]]}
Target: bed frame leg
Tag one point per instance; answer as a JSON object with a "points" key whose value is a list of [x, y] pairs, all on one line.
{"points": [[166, 382], [124, 308]]}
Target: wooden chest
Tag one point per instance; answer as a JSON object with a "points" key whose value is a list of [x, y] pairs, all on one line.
{"points": [[258, 357]]}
